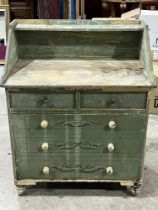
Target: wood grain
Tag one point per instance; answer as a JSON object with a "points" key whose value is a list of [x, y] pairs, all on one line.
{"points": [[78, 73]]}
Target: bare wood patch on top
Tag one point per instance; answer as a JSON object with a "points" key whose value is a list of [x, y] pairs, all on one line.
{"points": [[72, 73]]}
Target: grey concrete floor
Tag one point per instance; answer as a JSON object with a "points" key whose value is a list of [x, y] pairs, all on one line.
{"points": [[77, 199]]}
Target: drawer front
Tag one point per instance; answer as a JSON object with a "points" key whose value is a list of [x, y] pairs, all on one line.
{"points": [[67, 168], [127, 144], [42, 100], [73, 126], [113, 100]]}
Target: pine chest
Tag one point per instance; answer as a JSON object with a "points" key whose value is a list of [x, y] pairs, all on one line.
{"points": [[77, 95]]}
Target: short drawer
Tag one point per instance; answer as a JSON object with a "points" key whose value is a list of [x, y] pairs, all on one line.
{"points": [[59, 168], [42, 100], [113, 100]]}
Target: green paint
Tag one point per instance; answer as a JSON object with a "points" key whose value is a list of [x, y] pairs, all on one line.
{"points": [[42, 100], [78, 118], [113, 100]]}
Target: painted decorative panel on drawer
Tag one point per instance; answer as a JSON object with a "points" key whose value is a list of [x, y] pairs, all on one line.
{"points": [[68, 168], [77, 95], [66, 125], [121, 144]]}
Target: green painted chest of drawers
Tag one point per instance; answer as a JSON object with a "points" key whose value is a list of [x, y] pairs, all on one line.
{"points": [[77, 95]]}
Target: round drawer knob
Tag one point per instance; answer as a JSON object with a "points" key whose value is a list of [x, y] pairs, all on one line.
{"points": [[46, 170], [109, 170], [111, 147], [112, 124], [44, 124], [45, 146]]}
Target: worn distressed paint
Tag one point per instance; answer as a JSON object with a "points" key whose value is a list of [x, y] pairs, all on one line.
{"points": [[78, 76], [80, 73]]}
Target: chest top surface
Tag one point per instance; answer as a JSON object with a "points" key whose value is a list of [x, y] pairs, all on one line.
{"points": [[76, 73], [96, 54]]}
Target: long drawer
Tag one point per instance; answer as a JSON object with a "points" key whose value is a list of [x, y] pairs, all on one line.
{"points": [[65, 168], [120, 144], [77, 126]]}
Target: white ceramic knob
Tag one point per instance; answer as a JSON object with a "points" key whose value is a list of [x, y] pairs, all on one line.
{"points": [[46, 170], [109, 170], [44, 124], [45, 146], [111, 147], [112, 124]]}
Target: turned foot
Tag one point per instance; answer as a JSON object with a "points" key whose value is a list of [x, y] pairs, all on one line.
{"points": [[135, 190], [20, 190]]}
